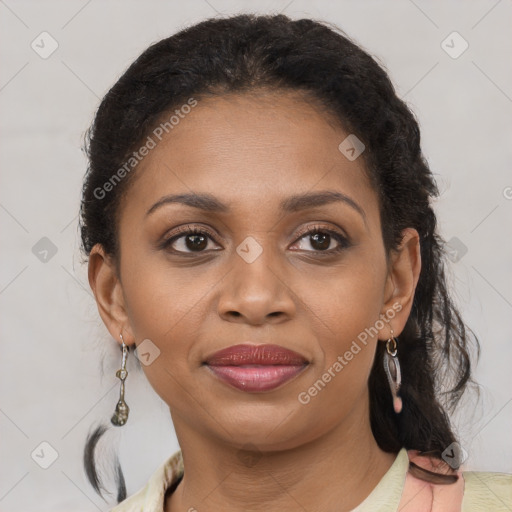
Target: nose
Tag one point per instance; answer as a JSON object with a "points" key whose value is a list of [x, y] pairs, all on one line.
{"points": [[257, 292]]}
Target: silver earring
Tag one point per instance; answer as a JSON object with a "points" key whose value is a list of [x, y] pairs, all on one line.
{"points": [[120, 416], [392, 368]]}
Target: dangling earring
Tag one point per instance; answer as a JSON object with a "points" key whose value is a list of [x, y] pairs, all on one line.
{"points": [[120, 416], [392, 368]]}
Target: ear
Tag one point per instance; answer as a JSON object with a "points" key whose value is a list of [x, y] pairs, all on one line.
{"points": [[403, 274], [108, 291]]}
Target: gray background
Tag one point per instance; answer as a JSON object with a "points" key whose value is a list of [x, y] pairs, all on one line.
{"points": [[57, 366]]}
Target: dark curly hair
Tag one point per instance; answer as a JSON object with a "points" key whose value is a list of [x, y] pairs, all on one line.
{"points": [[247, 52]]}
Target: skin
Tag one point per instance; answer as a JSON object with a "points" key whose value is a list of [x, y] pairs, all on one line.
{"points": [[251, 152]]}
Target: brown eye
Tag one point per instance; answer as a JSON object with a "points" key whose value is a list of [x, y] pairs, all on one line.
{"points": [[196, 242], [189, 240], [322, 240]]}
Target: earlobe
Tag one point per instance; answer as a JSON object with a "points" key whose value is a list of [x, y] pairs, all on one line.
{"points": [[107, 290], [403, 275]]}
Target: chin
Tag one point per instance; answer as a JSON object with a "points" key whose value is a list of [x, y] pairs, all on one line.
{"points": [[269, 428]]}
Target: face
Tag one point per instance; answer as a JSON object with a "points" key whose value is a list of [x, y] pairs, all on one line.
{"points": [[286, 249]]}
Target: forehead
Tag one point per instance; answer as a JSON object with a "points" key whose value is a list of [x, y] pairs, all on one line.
{"points": [[249, 149]]}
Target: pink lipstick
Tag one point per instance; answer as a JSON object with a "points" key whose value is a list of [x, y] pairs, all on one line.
{"points": [[255, 368]]}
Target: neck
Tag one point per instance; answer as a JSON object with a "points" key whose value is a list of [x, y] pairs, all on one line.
{"points": [[336, 471]]}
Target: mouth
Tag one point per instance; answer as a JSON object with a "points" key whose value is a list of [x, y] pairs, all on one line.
{"points": [[256, 368]]}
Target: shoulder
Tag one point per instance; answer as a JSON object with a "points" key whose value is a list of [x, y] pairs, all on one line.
{"points": [[485, 491], [151, 497], [473, 491]]}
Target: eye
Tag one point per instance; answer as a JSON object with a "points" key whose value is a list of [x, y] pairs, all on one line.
{"points": [[189, 240], [323, 240]]}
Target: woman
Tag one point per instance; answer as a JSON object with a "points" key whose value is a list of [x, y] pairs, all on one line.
{"points": [[258, 225]]}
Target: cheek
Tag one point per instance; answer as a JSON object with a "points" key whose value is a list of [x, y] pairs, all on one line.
{"points": [[160, 298], [350, 301], [346, 313], [167, 306]]}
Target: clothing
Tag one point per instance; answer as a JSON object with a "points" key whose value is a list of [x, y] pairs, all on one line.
{"points": [[398, 490]]}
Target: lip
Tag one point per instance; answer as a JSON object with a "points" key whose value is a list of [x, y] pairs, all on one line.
{"points": [[254, 368]]}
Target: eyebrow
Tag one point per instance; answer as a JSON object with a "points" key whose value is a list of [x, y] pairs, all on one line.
{"points": [[295, 203]]}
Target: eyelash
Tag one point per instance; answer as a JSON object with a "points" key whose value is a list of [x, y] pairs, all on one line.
{"points": [[343, 242]]}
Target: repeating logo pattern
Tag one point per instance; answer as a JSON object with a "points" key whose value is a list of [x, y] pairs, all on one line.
{"points": [[40, 248]]}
